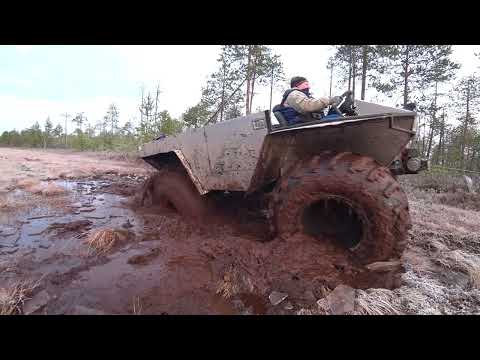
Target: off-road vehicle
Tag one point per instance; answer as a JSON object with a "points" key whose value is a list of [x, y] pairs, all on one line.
{"points": [[333, 179]]}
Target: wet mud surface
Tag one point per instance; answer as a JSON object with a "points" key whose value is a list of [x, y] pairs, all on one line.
{"points": [[162, 264]]}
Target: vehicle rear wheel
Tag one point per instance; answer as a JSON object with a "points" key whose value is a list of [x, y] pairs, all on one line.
{"points": [[346, 199], [173, 190]]}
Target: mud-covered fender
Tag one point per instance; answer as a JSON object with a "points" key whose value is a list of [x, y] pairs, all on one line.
{"points": [[190, 173], [175, 157]]}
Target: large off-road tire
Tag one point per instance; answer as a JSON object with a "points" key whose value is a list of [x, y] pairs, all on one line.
{"points": [[172, 189], [346, 199]]}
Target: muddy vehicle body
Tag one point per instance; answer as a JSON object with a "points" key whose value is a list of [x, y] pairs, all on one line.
{"points": [[334, 181]]}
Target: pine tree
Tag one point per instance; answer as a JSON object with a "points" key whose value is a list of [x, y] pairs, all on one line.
{"points": [[47, 132], [196, 116], [80, 120], [439, 69], [468, 92], [401, 69], [255, 64]]}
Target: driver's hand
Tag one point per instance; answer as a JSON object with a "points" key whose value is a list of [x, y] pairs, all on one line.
{"points": [[335, 100]]}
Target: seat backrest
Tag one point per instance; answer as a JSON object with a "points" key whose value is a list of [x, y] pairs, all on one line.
{"points": [[281, 119]]}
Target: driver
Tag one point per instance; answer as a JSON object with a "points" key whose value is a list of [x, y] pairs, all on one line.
{"points": [[297, 101]]}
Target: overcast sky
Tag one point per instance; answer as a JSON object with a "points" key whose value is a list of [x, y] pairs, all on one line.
{"points": [[40, 81]]}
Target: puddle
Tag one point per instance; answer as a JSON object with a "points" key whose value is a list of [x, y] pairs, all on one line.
{"points": [[31, 226]]}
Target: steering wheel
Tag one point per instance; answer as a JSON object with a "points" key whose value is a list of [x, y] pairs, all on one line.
{"points": [[336, 106]]}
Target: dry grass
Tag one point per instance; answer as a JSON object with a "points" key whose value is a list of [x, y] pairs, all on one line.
{"points": [[13, 298], [375, 302], [440, 183], [461, 199], [101, 242], [137, 306], [474, 274], [233, 283], [229, 286]]}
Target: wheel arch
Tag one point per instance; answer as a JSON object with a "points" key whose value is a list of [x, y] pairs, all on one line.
{"points": [[175, 159]]}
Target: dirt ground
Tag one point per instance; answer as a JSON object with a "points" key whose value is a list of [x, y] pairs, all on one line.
{"points": [[72, 241]]}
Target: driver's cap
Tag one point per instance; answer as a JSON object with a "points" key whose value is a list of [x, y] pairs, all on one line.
{"points": [[297, 80]]}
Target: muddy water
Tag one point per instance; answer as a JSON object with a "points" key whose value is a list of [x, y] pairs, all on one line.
{"points": [[29, 226], [168, 266], [161, 268]]}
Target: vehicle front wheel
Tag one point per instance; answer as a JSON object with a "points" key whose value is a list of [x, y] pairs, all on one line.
{"points": [[347, 200]]}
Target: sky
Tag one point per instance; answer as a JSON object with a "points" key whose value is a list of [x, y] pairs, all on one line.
{"points": [[38, 81]]}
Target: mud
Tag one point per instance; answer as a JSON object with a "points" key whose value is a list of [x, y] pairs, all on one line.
{"points": [[225, 266]]}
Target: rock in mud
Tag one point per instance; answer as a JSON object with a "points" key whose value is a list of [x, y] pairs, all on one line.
{"points": [[322, 306], [288, 306], [341, 300], [385, 266], [277, 297], [36, 303]]}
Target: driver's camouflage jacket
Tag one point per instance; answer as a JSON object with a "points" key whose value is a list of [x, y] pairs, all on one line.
{"points": [[303, 104]]}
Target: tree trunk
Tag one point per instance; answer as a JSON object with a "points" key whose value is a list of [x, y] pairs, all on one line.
{"points": [[364, 70], [271, 89], [406, 74], [472, 158], [439, 159], [423, 139], [430, 140], [433, 121], [254, 75], [464, 134], [247, 102], [331, 80], [443, 138], [350, 74], [222, 105], [141, 109], [156, 103], [354, 71]]}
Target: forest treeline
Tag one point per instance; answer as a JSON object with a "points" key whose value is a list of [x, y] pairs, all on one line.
{"points": [[447, 106]]}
